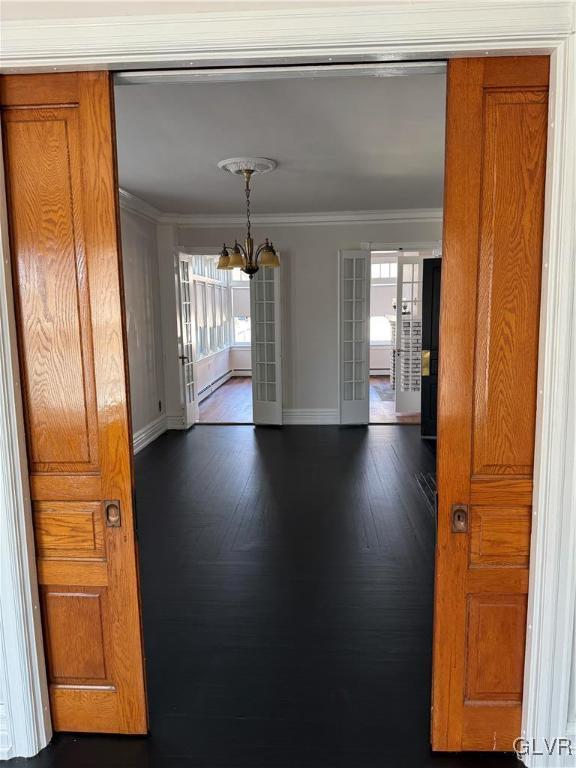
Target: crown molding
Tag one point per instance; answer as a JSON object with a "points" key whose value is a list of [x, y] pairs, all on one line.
{"points": [[387, 30], [306, 219], [130, 202]]}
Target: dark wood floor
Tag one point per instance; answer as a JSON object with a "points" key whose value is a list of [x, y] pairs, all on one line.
{"points": [[231, 403], [287, 601]]}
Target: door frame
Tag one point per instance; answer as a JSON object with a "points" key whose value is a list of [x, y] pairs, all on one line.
{"points": [[322, 37]]}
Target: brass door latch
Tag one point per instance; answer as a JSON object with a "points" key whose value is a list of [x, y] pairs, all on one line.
{"points": [[459, 518]]}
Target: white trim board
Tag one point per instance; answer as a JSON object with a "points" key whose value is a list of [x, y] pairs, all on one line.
{"points": [[146, 435], [137, 205], [421, 29], [310, 416], [383, 31]]}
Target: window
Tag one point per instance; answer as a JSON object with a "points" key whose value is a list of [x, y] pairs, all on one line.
{"points": [[241, 314], [380, 330], [385, 271], [238, 276], [242, 330]]}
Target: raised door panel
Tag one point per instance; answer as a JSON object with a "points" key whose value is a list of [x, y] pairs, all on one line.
{"points": [[491, 275], [513, 168], [44, 186], [60, 175]]}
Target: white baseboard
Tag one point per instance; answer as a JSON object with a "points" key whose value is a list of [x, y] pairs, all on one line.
{"points": [[150, 432], [241, 372], [214, 385], [175, 422], [379, 371], [311, 416]]}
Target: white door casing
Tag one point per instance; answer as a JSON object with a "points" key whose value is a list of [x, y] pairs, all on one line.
{"points": [[266, 342], [408, 346], [186, 338], [354, 310]]}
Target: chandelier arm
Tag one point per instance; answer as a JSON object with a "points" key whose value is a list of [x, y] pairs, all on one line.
{"points": [[243, 250]]}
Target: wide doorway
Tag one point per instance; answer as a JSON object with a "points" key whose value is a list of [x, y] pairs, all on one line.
{"points": [[230, 495]]}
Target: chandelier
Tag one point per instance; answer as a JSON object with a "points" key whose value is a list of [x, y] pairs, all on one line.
{"points": [[246, 257]]}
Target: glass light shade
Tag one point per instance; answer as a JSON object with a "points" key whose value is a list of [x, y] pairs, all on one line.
{"points": [[224, 260], [236, 259], [268, 257]]}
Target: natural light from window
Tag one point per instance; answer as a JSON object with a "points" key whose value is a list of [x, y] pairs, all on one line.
{"points": [[380, 330], [242, 333]]}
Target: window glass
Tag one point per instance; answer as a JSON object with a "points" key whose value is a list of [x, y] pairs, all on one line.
{"points": [[242, 330], [380, 329]]}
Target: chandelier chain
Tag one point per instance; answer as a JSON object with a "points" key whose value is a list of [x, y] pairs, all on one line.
{"points": [[247, 188]]}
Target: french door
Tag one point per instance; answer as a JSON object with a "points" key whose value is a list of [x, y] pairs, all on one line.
{"points": [[266, 342], [408, 347], [187, 337], [354, 336]]}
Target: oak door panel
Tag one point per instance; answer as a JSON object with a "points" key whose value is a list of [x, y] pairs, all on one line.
{"points": [[43, 173], [62, 191], [491, 274]]}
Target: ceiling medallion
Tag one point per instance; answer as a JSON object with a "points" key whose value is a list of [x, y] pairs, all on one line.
{"points": [[244, 256]]}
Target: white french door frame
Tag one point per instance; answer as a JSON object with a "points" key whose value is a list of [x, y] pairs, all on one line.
{"points": [[187, 321], [354, 270], [266, 345], [394, 33], [407, 399]]}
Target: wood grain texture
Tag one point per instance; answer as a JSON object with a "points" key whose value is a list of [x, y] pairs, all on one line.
{"points": [[44, 186], [74, 620], [493, 217], [62, 186], [499, 536], [509, 270], [69, 529]]}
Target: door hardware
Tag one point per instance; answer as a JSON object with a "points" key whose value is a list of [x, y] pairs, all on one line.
{"points": [[112, 512], [459, 518], [425, 362]]}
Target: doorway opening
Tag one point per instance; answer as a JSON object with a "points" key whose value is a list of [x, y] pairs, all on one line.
{"points": [[275, 536], [258, 540], [404, 330], [214, 340]]}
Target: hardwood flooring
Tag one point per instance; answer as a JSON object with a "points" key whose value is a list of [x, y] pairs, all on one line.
{"points": [[287, 581], [229, 404], [382, 409]]}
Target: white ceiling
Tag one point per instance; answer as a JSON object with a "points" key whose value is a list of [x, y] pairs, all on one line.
{"points": [[342, 144]]}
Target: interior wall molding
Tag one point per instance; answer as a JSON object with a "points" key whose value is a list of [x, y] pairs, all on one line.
{"points": [[144, 436], [385, 30], [135, 204], [311, 416], [130, 202]]}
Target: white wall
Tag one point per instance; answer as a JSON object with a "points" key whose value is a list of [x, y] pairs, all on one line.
{"points": [[143, 321], [309, 255], [241, 361]]}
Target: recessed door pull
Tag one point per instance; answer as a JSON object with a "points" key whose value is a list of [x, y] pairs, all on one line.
{"points": [[459, 518], [112, 511]]}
